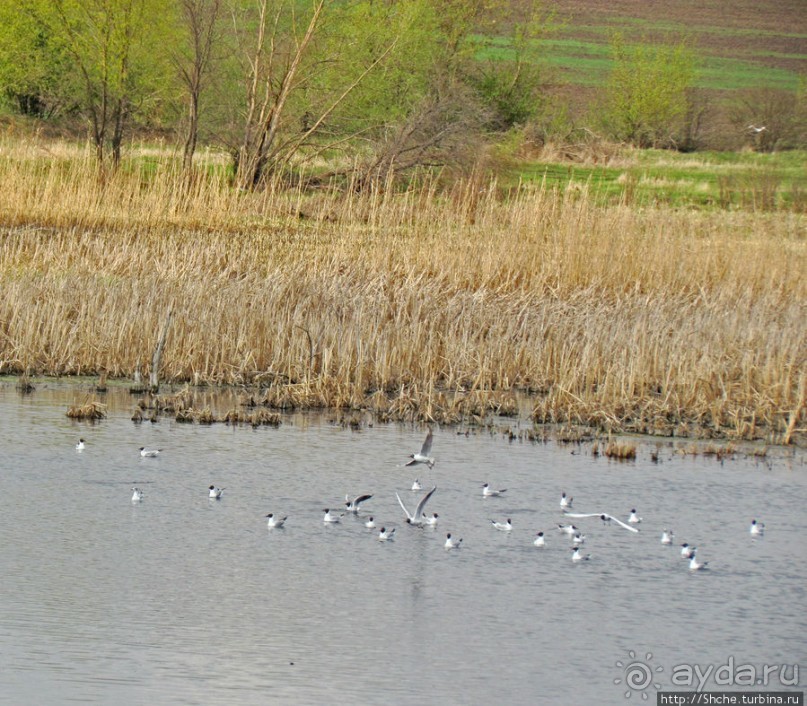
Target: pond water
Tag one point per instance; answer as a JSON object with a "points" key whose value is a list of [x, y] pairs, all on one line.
{"points": [[179, 599]]}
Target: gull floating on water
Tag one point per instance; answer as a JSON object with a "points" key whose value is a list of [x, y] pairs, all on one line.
{"points": [[273, 521], [686, 551], [137, 495], [694, 564], [80, 445], [331, 517], [215, 492], [578, 539], [565, 501], [577, 556], [416, 518], [634, 519], [423, 456], [149, 453], [503, 526], [571, 530], [370, 524], [386, 535], [757, 528], [452, 543], [431, 521], [416, 485], [667, 536], [606, 518], [353, 505], [488, 492], [540, 541]]}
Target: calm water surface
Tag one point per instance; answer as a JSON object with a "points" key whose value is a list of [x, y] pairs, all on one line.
{"points": [[183, 600]]}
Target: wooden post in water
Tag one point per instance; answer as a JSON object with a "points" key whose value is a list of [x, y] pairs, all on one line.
{"points": [[154, 373]]}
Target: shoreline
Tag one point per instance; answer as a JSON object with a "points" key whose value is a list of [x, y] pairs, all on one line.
{"points": [[240, 405]]}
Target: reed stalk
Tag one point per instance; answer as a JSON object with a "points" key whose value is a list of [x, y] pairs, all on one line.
{"points": [[408, 303]]}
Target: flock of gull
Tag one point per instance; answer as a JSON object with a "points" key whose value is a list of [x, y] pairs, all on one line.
{"points": [[418, 518]]}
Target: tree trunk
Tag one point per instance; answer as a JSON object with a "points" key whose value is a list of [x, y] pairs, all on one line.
{"points": [[193, 131]]}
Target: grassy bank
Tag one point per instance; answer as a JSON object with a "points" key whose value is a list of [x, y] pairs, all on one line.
{"points": [[730, 180], [656, 319]]}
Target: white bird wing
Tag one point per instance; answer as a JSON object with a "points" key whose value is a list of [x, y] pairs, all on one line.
{"points": [[422, 504], [358, 500], [425, 450], [580, 515], [400, 502]]}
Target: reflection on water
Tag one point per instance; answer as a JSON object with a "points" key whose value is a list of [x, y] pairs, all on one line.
{"points": [[182, 599]]}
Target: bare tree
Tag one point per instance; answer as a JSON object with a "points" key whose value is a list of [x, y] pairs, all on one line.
{"points": [[273, 70], [201, 19], [445, 130], [100, 36], [284, 61]]}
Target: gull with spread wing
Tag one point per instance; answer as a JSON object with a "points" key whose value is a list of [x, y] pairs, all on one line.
{"points": [[603, 516], [416, 518], [424, 455]]}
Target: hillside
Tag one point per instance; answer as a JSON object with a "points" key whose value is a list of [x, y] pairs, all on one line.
{"points": [[743, 43]]}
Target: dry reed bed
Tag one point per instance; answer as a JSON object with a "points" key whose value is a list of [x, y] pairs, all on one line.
{"points": [[658, 321]]}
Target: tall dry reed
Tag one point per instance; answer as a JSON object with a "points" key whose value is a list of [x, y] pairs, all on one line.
{"points": [[656, 320]]}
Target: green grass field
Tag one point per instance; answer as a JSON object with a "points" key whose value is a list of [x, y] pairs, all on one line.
{"points": [[588, 63], [763, 182]]}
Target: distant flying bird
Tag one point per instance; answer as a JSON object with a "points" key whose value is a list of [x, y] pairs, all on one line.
{"points": [[423, 456]]}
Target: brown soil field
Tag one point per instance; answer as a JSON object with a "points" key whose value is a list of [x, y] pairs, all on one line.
{"points": [[734, 29]]}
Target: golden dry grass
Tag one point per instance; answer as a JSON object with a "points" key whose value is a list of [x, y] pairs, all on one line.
{"points": [[418, 305], [621, 451], [92, 410]]}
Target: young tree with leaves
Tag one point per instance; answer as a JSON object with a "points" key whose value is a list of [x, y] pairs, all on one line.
{"points": [[647, 95]]}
